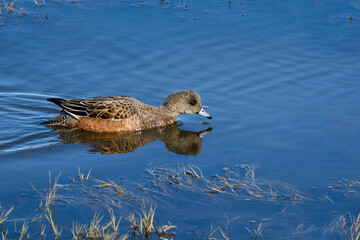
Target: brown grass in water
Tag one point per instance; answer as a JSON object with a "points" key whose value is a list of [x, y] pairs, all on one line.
{"points": [[355, 227], [256, 232], [49, 207], [3, 217], [236, 182], [4, 214]]}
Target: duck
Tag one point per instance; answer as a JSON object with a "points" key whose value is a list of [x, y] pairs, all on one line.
{"points": [[124, 113]]}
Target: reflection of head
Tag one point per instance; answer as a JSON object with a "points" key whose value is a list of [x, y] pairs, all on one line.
{"points": [[176, 140], [183, 142]]}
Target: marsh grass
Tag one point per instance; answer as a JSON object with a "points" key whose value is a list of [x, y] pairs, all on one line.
{"points": [[4, 214], [256, 232], [3, 217], [112, 184], [141, 223], [110, 203], [216, 231], [355, 227], [23, 232], [82, 177], [162, 231], [49, 207], [348, 226], [97, 230], [240, 182]]}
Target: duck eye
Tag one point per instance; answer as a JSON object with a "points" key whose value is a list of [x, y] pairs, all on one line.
{"points": [[192, 102]]}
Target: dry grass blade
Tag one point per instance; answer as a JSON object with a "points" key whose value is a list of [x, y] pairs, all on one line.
{"points": [[23, 232], [113, 223], [4, 215], [36, 218], [4, 235], [194, 173], [76, 230], [49, 206], [212, 232], [50, 197], [145, 223], [256, 232], [54, 227], [214, 189], [39, 4], [104, 184], [81, 175], [32, 186], [42, 233], [227, 184], [162, 230], [96, 230], [355, 227]]}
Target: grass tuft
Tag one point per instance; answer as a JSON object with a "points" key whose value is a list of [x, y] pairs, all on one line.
{"points": [[240, 182], [97, 230], [142, 224], [49, 206], [4, 215], [118, 189], [213, 231], [81, 176], [256, 232], [162, 231], [355, 227], [23, 232]]}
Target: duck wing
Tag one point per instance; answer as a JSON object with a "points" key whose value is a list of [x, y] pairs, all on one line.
{"points": [[101, 107]]}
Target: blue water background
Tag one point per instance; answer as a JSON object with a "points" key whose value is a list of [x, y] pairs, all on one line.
{"points": [[280, 79]]}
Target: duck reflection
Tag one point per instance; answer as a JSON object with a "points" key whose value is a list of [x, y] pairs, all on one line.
{"points": [[176, 140]]}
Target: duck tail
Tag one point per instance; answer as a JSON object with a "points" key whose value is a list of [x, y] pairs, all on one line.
{"points": [[57, 101]]}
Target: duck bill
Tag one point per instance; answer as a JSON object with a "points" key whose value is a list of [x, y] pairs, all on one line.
{"points": [[204, 114]]}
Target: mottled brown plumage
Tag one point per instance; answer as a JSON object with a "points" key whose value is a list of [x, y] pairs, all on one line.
{"points": [[124, 114]]}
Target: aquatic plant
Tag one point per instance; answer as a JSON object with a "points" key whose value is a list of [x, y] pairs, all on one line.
{"points": [[256, 232], [236, 182], [4, 214]]}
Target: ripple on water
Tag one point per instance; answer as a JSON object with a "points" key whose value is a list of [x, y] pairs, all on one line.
{"points": [[24, 113]]}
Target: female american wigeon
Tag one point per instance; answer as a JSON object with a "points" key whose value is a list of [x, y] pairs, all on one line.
{"points": [[124, 114]]}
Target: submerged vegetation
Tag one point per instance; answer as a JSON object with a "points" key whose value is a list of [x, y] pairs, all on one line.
{"points": [[124, 210], [106, 195], [240, 182], [140, 223]]}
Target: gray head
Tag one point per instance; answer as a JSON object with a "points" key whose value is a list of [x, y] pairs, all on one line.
{"points": [[186, 101]]}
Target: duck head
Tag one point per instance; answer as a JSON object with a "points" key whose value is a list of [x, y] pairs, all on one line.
{"points": [[185, 102]]}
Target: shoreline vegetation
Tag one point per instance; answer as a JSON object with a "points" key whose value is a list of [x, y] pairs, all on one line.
{"points": [[138, 204]]}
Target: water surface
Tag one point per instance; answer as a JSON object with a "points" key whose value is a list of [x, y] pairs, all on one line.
{"points": [[280, 79]]}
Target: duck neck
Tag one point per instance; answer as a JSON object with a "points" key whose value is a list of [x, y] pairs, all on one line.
{"points": [[169, 111]]}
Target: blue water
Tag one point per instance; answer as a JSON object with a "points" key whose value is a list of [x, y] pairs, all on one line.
{"points": [[280, 79]]}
